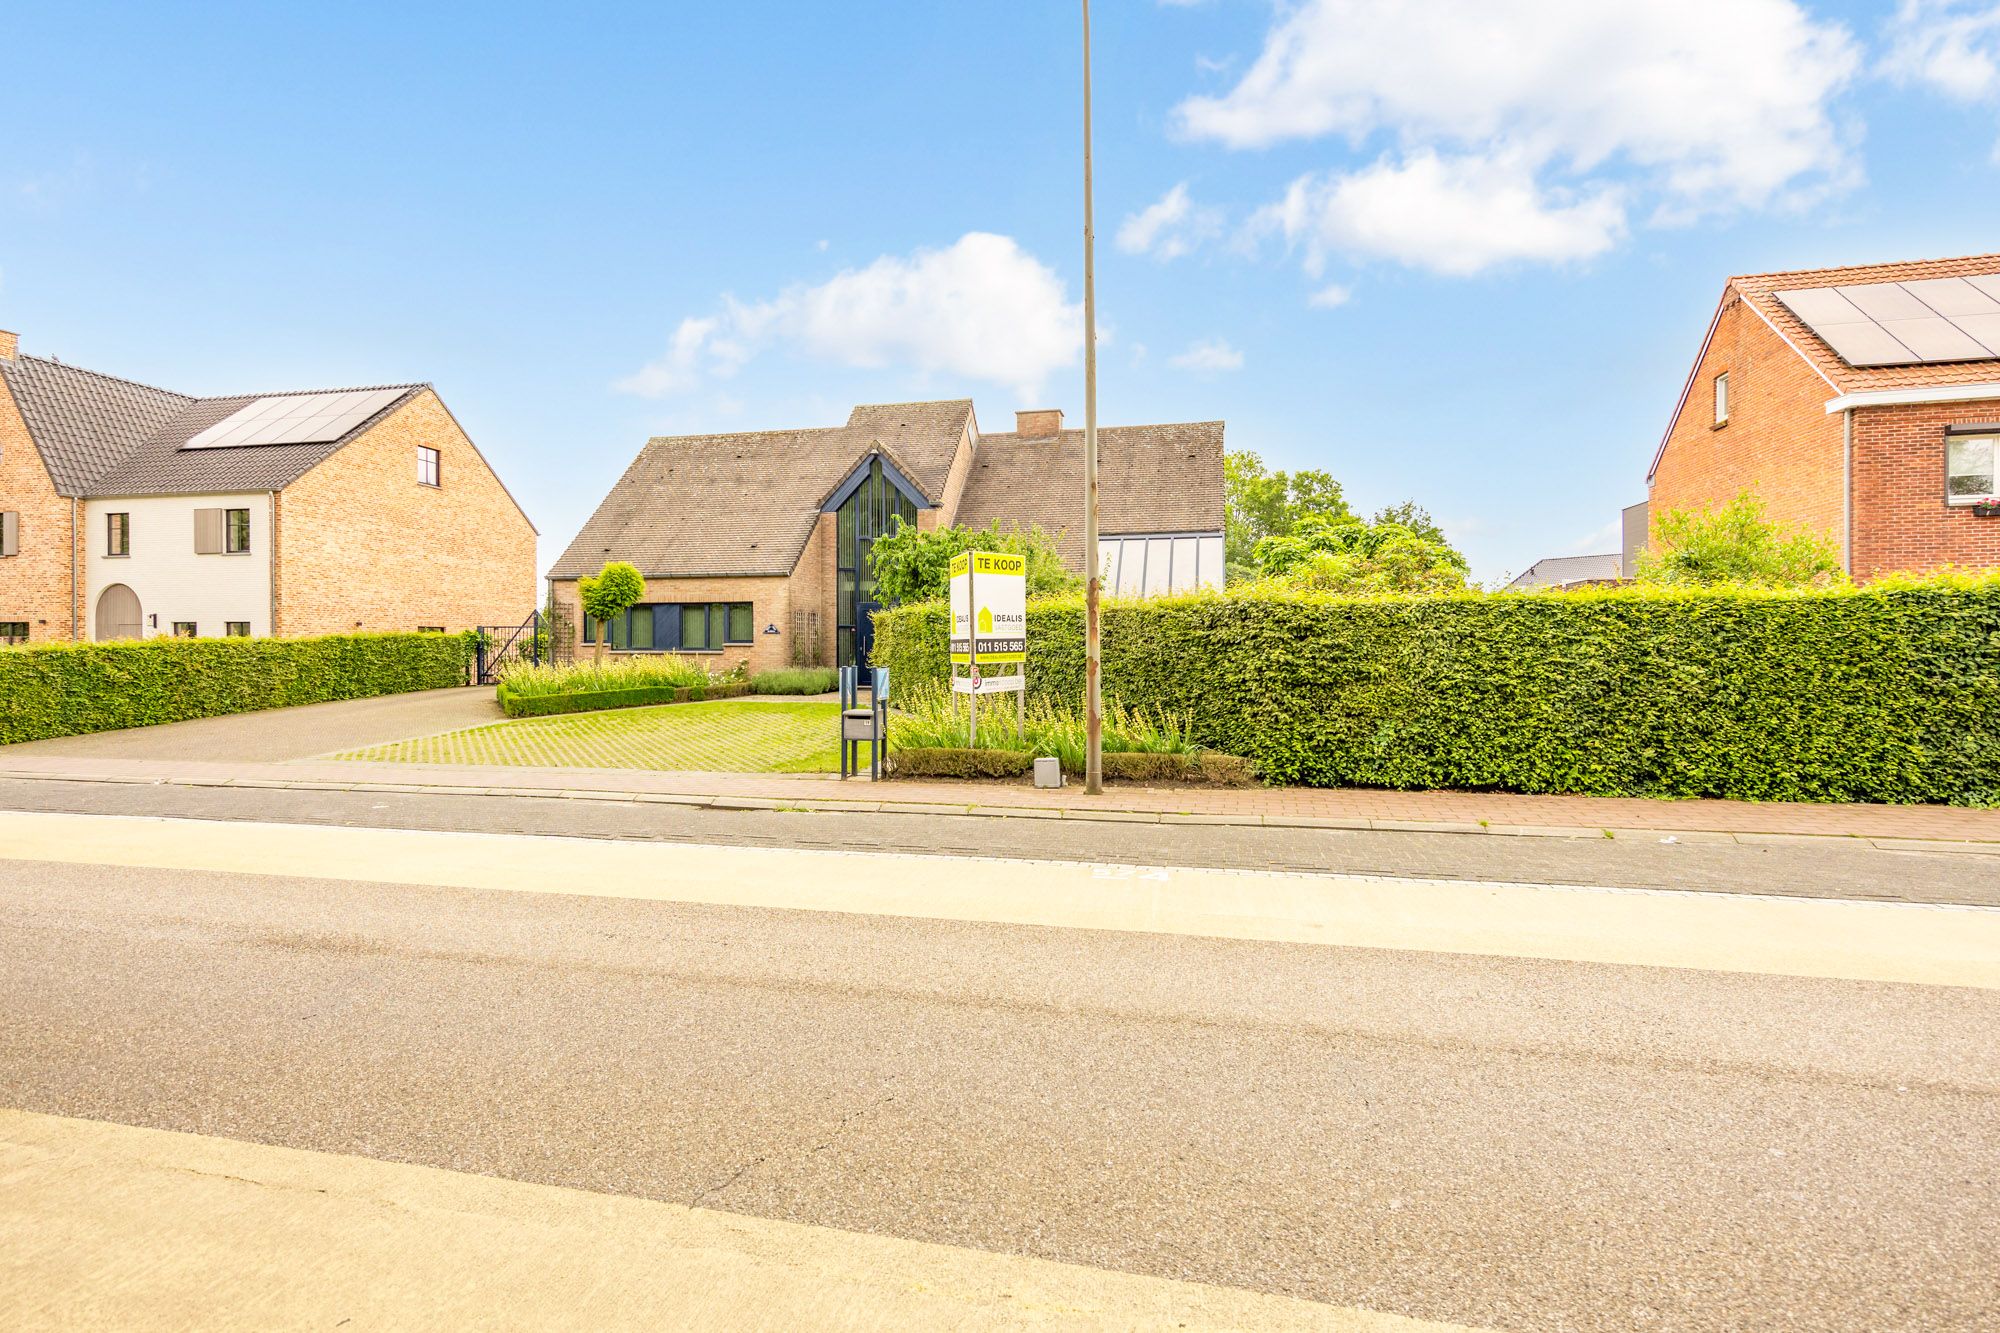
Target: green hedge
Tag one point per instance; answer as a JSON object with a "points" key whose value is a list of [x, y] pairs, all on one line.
{"points": [[66, 689], [1883, 693], [1212, 770], [590, 701]]}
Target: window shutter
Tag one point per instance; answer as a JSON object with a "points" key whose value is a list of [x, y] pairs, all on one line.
{"points": [[10, 533], [208, 532]]}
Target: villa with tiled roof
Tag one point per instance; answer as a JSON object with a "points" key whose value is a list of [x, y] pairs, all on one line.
{"points": [[128, 511], [755, 546], [1863, 402]]}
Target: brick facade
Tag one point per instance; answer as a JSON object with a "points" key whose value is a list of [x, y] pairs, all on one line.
{"points": [[35, 586], [362, 544], [1901, 520], [771, 602], [1779, 440]]}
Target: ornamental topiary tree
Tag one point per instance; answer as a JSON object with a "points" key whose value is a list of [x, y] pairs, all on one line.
{"points": [[616, 589]]}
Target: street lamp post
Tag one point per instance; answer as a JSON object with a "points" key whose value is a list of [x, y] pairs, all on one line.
{"points": [[1093, 664]]}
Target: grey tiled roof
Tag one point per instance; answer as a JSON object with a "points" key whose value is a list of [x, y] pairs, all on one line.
{"points": [[84, 423], [1558, 571], [157, 465], [695, 506], [100, 435], [1164, 478]]}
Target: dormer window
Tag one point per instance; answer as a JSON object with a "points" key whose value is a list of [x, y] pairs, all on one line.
{"points": [[1722, 399]]}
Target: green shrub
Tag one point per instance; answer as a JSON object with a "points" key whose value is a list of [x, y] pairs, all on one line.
{"points": [[923, 762], [796, 680], [663, 670], [1889, 692], [914, 565], [67, 689], [591, 701], [925, 718]]}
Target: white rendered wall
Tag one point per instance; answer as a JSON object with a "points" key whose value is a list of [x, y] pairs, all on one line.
{"points": [[173, 582]]}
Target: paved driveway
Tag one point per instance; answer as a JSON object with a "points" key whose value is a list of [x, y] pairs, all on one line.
{"points": [[278, 734]]}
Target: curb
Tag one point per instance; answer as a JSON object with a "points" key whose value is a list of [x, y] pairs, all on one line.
{"points": [[839, 805]]}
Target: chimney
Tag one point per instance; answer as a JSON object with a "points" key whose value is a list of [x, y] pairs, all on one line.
{"points": [[10, 345], [1040, 424]]}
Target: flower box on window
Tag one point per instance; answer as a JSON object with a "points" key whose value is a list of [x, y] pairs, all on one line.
{"points": [[1987, 508]]}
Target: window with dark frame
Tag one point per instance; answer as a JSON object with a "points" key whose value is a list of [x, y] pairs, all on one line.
{"points": [[1969, 467], [184, 629], [874, 508], [236, 531], [678, 627], [117, 534], [430, 629], [236, 629], [428, 471], [13, 631]]}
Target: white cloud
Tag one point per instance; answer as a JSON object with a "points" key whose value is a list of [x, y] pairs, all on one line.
{"points": [[1169, 227], [981, 308], [1455, 216], [1564, 111], [1209, 355], [1950, 45], [1329, 296]]}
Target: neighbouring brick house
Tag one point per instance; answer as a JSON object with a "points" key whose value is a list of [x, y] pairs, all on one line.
{"points": [[128, 511], [1863, 402], [755, 546]]}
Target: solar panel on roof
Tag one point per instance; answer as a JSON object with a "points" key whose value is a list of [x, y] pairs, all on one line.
{"points": [[299, 418], [1904, 323]]}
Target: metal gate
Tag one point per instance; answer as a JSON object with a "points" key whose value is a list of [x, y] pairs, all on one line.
{"points": [[541, 639]]}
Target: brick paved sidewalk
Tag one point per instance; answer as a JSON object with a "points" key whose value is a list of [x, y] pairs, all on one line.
{"points": [[1467, 812]]}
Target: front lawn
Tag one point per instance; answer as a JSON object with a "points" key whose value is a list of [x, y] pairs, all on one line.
{"points": [[728, 736]]}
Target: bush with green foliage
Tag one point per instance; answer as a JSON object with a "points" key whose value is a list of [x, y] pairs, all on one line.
{"points": [[915, 566], [1889, 692], [1346, 555], [526, 679], [66, 689], [926, 717], [1736, 543], [796, 680], [609, 594]]}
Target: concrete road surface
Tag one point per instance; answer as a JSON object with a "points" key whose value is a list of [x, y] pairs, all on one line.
{"points": [[1505, 1121]]}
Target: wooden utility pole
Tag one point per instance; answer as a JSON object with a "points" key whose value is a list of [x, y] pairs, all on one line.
{"points": [[1093, 647]]}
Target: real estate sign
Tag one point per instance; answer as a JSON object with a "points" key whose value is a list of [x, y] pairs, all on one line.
{"points": [[989, 608]]}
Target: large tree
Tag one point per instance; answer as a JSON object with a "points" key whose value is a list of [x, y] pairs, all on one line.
{"points": [[1347, 555], [915, 566], [1737, 543], [1260, 503]]}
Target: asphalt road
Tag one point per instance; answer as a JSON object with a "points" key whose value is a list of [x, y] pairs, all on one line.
{"points": [[1815, 867], [1488, 1140]]}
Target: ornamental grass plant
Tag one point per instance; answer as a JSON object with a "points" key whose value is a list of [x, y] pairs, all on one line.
{"points": [[654, 671]]}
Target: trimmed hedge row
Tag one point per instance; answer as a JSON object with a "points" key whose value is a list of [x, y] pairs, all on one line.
{"points": [[1889, 692], [590, 701], [67, 689], [1213, 770]]}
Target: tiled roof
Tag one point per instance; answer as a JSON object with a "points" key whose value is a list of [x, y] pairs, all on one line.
{"points": [[100, 435], [923, 437], [157, 465], [1759, 290], [1164, 478], [84, 423], [1558, 571]]}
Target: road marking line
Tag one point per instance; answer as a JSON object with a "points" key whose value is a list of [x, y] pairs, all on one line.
{"points": [[105, 1225], [1861, 941]]}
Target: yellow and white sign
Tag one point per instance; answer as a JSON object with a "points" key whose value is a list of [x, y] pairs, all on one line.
{"points": [[989, 608]]}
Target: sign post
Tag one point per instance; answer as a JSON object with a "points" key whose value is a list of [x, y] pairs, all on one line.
{"points": [[989, 628]]}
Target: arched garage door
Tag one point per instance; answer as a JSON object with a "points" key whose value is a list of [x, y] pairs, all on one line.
{"points": [[118, 613]]}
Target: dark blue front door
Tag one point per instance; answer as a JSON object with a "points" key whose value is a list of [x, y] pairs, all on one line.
{"points": [[864, 631]]}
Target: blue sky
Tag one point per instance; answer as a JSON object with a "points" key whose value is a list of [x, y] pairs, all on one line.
{"points": [[1460, 251]]}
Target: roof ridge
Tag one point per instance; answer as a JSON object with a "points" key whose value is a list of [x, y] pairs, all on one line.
{"points": [[115, 379], [1078, 430], [750, 434], [1850, 268], [300, 393]]}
